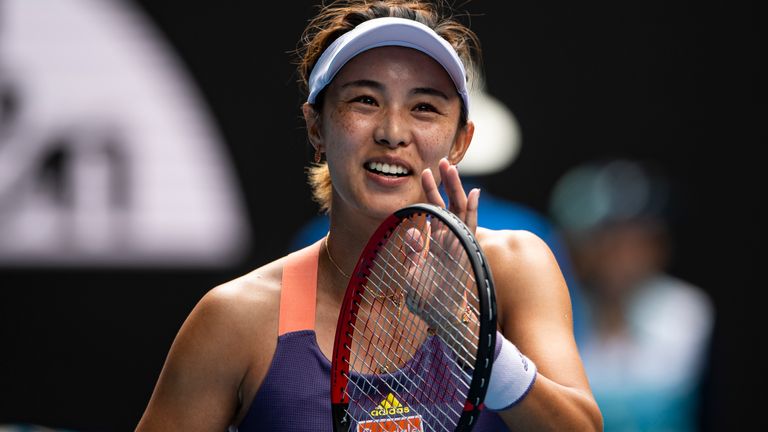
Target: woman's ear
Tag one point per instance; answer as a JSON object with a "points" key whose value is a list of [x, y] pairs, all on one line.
{"points": [[461, 143], [312, 121]]}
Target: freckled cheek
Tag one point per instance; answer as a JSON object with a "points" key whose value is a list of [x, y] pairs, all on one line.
{"points": [[439, 142], [346, 124]]}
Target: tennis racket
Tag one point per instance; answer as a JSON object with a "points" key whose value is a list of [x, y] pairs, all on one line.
{"points": [[417, 328]]}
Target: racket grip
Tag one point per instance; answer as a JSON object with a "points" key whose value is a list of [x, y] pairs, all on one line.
{"points": [[512, 376]]}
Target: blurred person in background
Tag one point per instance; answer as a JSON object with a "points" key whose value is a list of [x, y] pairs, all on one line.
{"points": [[646, 332]]}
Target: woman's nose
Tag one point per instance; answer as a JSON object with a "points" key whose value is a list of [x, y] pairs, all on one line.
{"points": [[393, 130]]}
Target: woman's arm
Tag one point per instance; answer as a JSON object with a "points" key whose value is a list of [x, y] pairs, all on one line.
{"points": [[213, 353], [534, 313]]}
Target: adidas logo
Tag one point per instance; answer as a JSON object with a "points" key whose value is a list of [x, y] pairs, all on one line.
{"points": [[390, 406]]}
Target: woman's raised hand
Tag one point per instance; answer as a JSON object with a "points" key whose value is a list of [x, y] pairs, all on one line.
{"points": [[459, 203]]}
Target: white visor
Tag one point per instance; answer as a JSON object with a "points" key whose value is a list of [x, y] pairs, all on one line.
{"points": [[389, 31]]}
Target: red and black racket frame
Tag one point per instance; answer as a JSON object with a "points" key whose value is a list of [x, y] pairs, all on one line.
{"points": [[354, 293]]}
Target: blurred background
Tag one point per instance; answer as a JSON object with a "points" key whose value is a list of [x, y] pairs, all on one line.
{"points": [[152, 150]]}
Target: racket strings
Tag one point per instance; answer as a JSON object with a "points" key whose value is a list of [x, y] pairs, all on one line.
{"points": [[363, 394], [395, 338], [452, 262], [361, 388], [393, 383], [458, 339], [461, 303], [383, 367], [443, 269], [391, 343], [440, 413], [384, 320]]}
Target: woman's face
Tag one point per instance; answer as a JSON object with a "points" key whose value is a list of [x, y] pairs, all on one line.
{"points": [[389, 113]]}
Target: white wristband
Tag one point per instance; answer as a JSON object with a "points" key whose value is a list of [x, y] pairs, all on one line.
{"points": [[512, 376]]}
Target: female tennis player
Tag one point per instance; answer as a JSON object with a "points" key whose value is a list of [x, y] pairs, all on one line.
{"points": [[387, 110]]}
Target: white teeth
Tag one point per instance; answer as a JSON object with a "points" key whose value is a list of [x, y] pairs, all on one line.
{"points": [[387, 168]]}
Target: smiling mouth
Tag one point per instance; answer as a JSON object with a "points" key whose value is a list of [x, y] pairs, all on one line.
{"points": [[386, 169]]}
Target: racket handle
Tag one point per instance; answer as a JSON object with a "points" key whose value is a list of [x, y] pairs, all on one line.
{"points": [[512, 376]]}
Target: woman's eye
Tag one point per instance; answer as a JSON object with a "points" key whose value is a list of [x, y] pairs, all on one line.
{"points": [[365, 100], [425, 107]]}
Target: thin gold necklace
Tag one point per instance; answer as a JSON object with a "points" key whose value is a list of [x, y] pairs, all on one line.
{"points": [[396, 297], [330, 258]]}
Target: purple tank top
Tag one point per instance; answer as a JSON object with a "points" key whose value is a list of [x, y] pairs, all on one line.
{"points": [[295, 393]]}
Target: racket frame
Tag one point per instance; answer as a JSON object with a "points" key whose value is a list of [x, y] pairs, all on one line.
{"points": [[351, 304]]}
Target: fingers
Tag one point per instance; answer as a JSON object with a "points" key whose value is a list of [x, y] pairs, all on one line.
{"points": [[461, 204], [429, 185], [413, 243], [416, 244], [453, 188], [473, 202]]}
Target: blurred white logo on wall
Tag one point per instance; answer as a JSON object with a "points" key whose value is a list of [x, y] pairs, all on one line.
{"points": [[497, 138], [108, 154]]}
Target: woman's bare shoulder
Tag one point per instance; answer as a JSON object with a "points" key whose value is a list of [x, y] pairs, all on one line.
{"points": [[527, 276], [248, 300], [228, 337], [235, 323], [522, 246]]}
